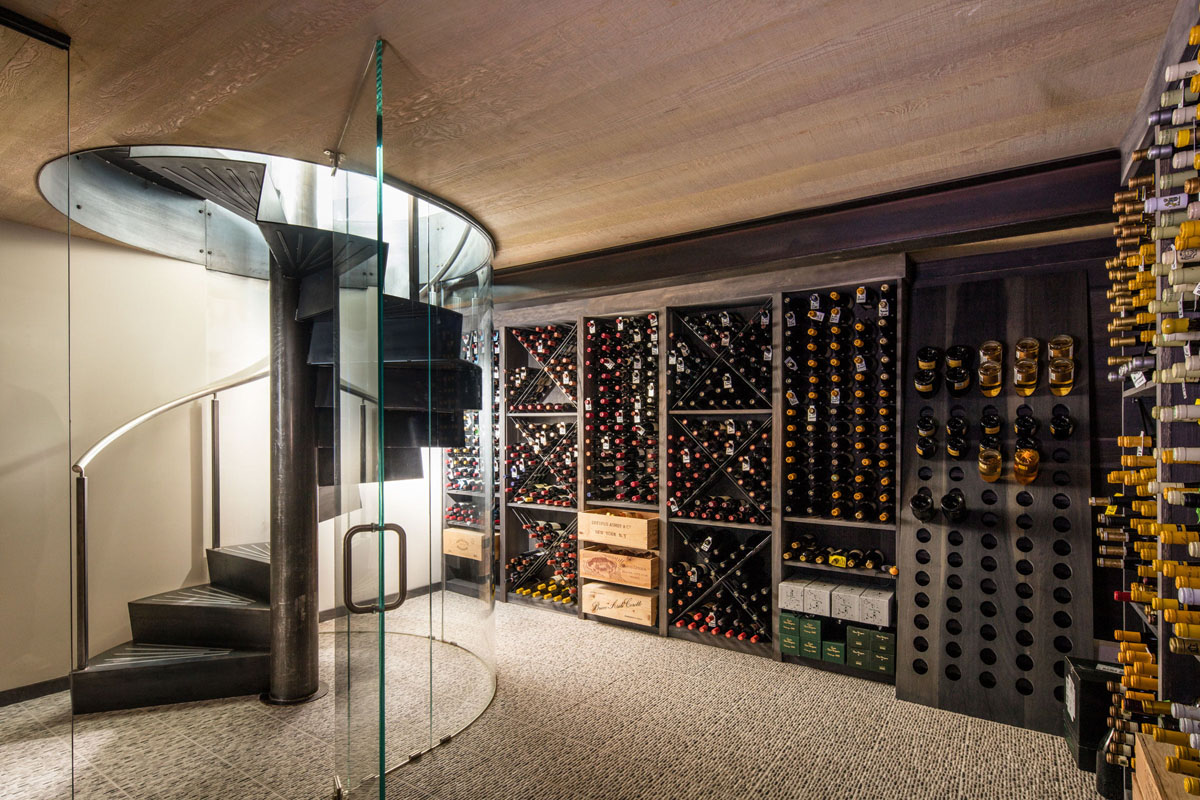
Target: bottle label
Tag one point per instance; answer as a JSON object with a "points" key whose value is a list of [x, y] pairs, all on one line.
{"points": [[835, 315], [636, 378], [684, 350], [860, 294], [860, 364], [814, 301], [835, 396], [745, 465], [764, 319], [724, 319], [767, 353], [654, 335], [674, 504], [620, 324], [605, 444], [637, 417], [620, 418], [791, 364], [791, 397], [729, 448], [685, 457], [652, 318], [637, 336], [587, 404], [671, 358], [790, 319], [818, 316], [1139, 379], [591, 326], [637, 363], [679, 366], [724, 338], [730, 427], [727, 381], [812, 414]]}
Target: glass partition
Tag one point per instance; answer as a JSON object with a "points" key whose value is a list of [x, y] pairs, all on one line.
{"points": [[35, 538], [173, 372]]}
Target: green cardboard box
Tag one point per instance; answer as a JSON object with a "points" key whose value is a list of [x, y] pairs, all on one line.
{"points": [[858, 657], [809, 627], [810, 649], [882, 642], [788, 623], [883, 662], [858, 637], [789, 644], [834, 651]]}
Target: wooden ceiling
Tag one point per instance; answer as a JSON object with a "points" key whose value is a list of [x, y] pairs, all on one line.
{"points": [[566, 126]]}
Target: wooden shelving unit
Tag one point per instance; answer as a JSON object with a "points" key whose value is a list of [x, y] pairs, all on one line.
{"points": [[763, 291]]}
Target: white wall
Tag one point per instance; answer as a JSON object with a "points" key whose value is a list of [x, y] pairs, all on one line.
{"points": [[34, 484]]}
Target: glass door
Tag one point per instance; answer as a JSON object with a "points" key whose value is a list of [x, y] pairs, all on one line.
{"points": [[381, 541]]}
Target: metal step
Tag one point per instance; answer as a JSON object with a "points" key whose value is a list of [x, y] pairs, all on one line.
{"points": [[138, 674], [201, 615], [244, 569]]}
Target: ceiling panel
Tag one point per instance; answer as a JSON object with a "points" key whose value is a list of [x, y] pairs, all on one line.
{"points": [[573, 125]]}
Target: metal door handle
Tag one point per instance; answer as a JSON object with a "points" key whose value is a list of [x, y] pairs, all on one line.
{"points": [[347, 574]]}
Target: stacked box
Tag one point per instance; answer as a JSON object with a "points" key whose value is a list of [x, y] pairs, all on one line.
{"points": [[834, 652], [791, 594]]}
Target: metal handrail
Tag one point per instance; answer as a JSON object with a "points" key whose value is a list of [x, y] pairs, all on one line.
{"points": [[81, 494], [81, 465]]}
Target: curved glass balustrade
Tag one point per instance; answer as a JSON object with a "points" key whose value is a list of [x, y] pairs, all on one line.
{"points": [[387, 453]]}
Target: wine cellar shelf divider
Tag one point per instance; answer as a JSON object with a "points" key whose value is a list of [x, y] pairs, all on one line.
{"points": [[764, 290]]}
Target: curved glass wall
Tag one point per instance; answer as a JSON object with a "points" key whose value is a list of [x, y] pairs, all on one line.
{"points": [[391, 285]]}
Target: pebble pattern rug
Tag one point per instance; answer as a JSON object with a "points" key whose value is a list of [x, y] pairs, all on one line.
{"points": [[582, 711]]}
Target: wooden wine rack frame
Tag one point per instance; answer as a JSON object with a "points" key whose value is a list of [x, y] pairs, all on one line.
{"points": [[722, 293], [990, 607]]}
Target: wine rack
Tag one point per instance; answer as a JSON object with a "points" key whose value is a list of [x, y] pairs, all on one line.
{"points": [[995, 572], [839, 387], [719, 587], [540, 430], [621, 411], [719, 470], [541, 463], [720, 358], [541, 373], [472, 473], [1145, 522], [545, 569]]}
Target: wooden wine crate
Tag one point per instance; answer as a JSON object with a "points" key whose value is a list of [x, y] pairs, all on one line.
{"points": [[1151, 781], [638, 529], [465, 543], [638, 606], [630, 568]]}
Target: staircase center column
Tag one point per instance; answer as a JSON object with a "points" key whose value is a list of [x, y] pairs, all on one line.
{"points": [[294, 609]]}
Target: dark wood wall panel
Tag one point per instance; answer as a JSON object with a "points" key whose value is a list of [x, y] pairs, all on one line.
{"points": [[976, 635]]}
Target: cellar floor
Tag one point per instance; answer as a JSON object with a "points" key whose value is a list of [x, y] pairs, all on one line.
{"points": [[583, 711]]}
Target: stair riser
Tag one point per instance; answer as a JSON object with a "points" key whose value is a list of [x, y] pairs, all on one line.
{"points": [[209, 626], [114, 689], [242, 575]]}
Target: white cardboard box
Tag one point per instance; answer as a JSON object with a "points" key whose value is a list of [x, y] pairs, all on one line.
{"points": [[817, 597], [791, 594], [876, 605], [844, 602]]}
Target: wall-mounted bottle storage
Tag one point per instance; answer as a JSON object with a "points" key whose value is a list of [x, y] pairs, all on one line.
{"points": [[994, 551], [621, 411]]}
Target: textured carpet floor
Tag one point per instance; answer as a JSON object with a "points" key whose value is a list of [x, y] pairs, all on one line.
{"points": [[582, 711]]}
